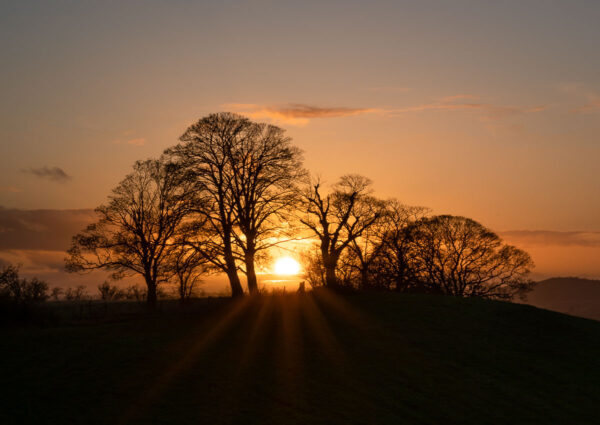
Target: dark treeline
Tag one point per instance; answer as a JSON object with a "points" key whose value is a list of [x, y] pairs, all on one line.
{"points": [[232, 188]]}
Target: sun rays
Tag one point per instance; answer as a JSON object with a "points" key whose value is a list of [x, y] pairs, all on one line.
{"points": [[274, 329]]}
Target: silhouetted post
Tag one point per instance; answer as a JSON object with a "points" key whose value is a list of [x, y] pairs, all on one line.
{"points": [[301, 287]]}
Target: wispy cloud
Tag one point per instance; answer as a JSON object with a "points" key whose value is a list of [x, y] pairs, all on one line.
{"points": [[390, 89], [301, 114], [552, 238], [41, 229], [468, 102], [9, 189], [127, 137], [51, 173], [294, 113], [592, 105], [462, 96], [49, 266], [37, 240], [586, 99], [140, 141]]}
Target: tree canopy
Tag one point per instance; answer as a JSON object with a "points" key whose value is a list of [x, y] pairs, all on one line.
{"points": [[233, 188]]}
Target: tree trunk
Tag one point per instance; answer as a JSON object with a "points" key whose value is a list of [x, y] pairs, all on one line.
{"points": [[364, 277], [330, 263], [400, 281], [251, 273], [330, 278], [234, 279], [151, 295]]}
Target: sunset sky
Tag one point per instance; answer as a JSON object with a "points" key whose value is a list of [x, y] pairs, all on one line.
{"points": [[485, 109]]}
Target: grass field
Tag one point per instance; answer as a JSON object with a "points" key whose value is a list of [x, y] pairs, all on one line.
{"points": [[315, 358]]}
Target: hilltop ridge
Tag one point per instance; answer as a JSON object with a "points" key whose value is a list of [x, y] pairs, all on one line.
{"points": [[322, 357]]}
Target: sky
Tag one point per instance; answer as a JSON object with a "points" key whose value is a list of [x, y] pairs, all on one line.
{"points": [[485, 109]]}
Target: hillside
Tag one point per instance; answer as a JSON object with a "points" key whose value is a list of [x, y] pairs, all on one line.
{"points": [[318, 358], [570, 295]]}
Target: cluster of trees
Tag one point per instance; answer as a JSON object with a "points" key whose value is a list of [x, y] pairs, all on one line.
{"points": [[111, 292], [232, 189], [17, 290], [213, 203], [406, 250]]}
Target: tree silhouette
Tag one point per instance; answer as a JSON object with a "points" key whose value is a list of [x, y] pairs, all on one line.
{"points": [[135, 231], [18, 290], [232, 189], [458, 256], [339, 217], [110, 292], [392, 263], [203, 157], [187, 267], [246, 174], [266, 169]]}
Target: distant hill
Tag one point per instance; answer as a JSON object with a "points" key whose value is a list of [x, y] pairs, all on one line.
{"points": [[570, 295]]}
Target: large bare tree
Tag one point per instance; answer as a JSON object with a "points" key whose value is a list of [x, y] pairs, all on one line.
{"points": [[204, 160], [266, 172], [338, 218], [136, 228], [458, 256], [245, 173]]}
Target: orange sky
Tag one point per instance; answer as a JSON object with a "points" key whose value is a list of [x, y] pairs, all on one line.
{"points": [[484, 109]]}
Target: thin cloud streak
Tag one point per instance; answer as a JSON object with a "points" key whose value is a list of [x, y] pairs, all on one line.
{"points": [[41, 229], [137, 142], [593, 104], [552, 238], [452, 103], [9, 189], [56, 174], [390, 89], [301, 114], [294, 113], [577, 91]]}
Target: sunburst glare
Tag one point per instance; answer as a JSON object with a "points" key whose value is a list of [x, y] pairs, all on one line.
{"points": [[286, 266]]}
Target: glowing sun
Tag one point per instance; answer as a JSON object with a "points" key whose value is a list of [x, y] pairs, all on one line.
{"points": [[286, 266]]}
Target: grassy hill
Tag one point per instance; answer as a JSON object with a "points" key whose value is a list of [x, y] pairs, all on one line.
{"points": [[570, 295], [321, 358]]}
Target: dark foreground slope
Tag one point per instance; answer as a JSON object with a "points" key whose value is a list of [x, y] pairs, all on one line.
{"points": [[323, 358], [571, 295]]}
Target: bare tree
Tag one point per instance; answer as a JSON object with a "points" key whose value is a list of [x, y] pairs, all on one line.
{"points": [[76, 294], [56, 293], [339, 217], [364, 251], [188, 266], [266, 170], [312, 264], [136, 292], [135, 231], [19, 290], [458, 256], [391, 264], [203, 155], [245, 174], [110, 292]]}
